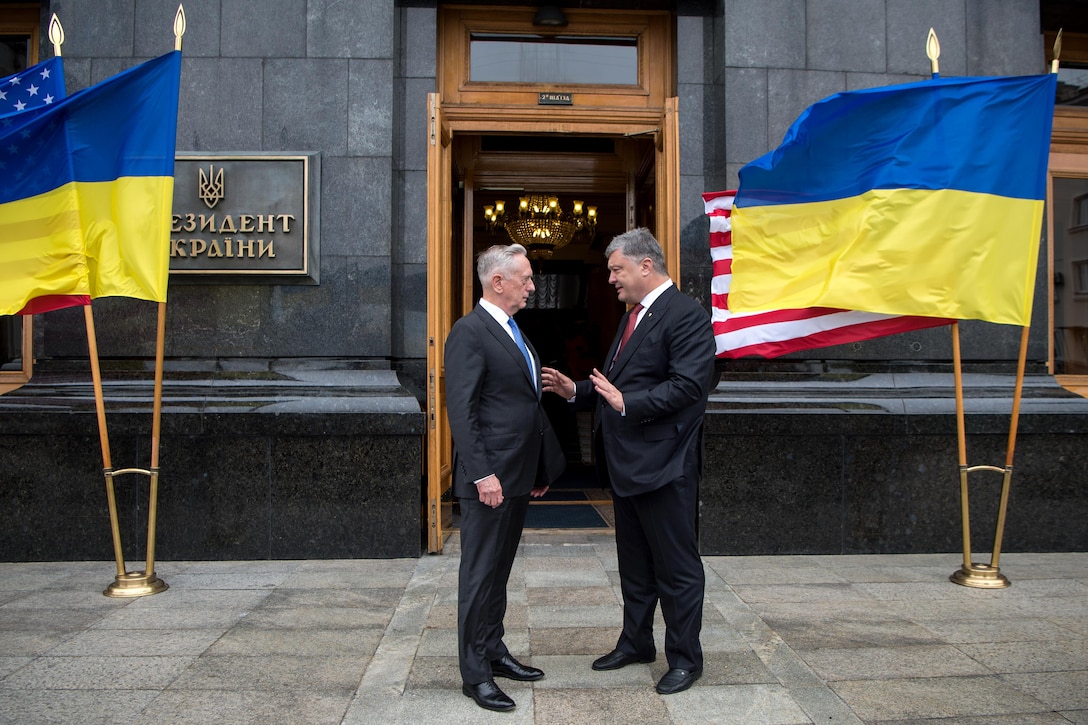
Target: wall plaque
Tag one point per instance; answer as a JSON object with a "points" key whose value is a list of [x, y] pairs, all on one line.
{"points": [[253, 216]]}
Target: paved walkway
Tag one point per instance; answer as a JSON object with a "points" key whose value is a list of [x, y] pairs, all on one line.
{"points": [[810, 639]]}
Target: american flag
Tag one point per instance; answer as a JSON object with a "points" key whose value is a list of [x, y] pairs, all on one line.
{"points": [[37, 86], [770, 334]]}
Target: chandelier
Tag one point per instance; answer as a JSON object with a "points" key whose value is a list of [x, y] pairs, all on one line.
{"points": [[540, 224]]}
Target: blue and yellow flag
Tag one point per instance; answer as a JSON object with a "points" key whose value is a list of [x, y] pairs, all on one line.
{"points": [[86, 193], [918, 199]]}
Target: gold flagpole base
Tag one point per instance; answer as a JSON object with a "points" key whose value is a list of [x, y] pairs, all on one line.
{"points": [[135, 584], [981, 576]]}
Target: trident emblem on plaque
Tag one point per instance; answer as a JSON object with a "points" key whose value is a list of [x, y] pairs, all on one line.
{"points": [[211, 189]]}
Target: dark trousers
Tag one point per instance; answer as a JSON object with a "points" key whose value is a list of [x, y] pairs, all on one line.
{"points": [[659, 561], [489, 541]]}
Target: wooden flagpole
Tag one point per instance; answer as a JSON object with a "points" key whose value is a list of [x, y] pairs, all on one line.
{"points": [[989, 576], [140, 583]]}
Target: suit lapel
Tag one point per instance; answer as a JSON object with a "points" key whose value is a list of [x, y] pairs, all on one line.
{"points": [[507, 342], [654, 314]]}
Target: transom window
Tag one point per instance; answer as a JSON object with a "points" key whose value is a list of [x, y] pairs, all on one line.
{"points": [[561, 59]]}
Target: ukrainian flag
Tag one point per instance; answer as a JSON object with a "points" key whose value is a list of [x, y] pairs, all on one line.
{"points": [[917, 199], [86, 190]]}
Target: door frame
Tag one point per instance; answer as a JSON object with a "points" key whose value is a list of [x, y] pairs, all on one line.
{"points": [[461, 107]]}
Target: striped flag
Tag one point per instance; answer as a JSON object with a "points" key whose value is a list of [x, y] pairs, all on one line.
{"points": [[779, 332]]}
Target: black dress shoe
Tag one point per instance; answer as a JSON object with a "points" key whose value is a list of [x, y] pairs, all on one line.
{"points": [[616, 659], [508, 667], [677, 680], [488, 696]]}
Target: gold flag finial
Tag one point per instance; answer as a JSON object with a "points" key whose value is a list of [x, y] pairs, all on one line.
{"points": [[56, 34], [933, 52], [1057, 52], [179, 27]]}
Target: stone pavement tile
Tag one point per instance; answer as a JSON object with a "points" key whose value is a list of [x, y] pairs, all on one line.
{"points": [[735, 705], [951, 609], [806, 593], [1057, 690], [720, 636], [928, 591], [246, 707], [775, 575], [443, 616], [583, 576], [15, 643], [1077, 625], [46, 620], [591, 642], [1051, 607], [361, 641], [96, 672], [724, 668], [243, 575], [861, 663], [1028, 629], [64, 707], [936, 697], [1043, 718], [319, 617], [445, 706], [64, 599], [610, 615], [176, 598], [172, 618], [437, 642], [571, 595], [284, 597], [138, 642], [598, 707], [11, 664], [575, 672], [332, 675], [851, 624], [437, 673], [1030, 588], [1080, 717], [822, 705], [1047, 656]]}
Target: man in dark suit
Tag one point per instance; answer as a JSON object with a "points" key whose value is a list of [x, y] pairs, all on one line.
{"points": [[504, 452], [647, 437]]}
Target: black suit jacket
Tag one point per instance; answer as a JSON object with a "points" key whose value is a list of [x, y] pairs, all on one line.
{"points": [[498, 423], [665, 372]]}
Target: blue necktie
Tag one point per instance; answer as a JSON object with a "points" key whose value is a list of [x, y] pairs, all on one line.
{"points": [[524, 350]]}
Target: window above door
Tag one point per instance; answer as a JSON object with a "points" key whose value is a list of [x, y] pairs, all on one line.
{"points": [[496, 56]]}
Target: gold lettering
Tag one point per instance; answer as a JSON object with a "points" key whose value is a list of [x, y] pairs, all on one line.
{"points": [[245, 247], [207, 223], [228, 225], [189, 225], [175, 222], [176, 250], [245, 223], [265, 223], [286, 220], [265, 249], [214, 250], [197, 247], [227, 244]]}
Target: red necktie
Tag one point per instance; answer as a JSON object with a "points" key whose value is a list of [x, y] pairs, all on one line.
{"points": [[632, 320]]}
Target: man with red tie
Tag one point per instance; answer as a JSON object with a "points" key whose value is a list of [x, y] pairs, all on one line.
{"points": [[648, 443]]}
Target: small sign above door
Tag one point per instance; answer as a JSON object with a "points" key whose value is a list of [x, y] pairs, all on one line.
{"points": [[554, 99]]}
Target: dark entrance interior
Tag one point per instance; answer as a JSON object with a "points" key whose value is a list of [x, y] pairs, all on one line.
{"points": [[572, 317]]}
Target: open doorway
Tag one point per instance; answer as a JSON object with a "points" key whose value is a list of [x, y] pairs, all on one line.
{"points": [[573, 315]]}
